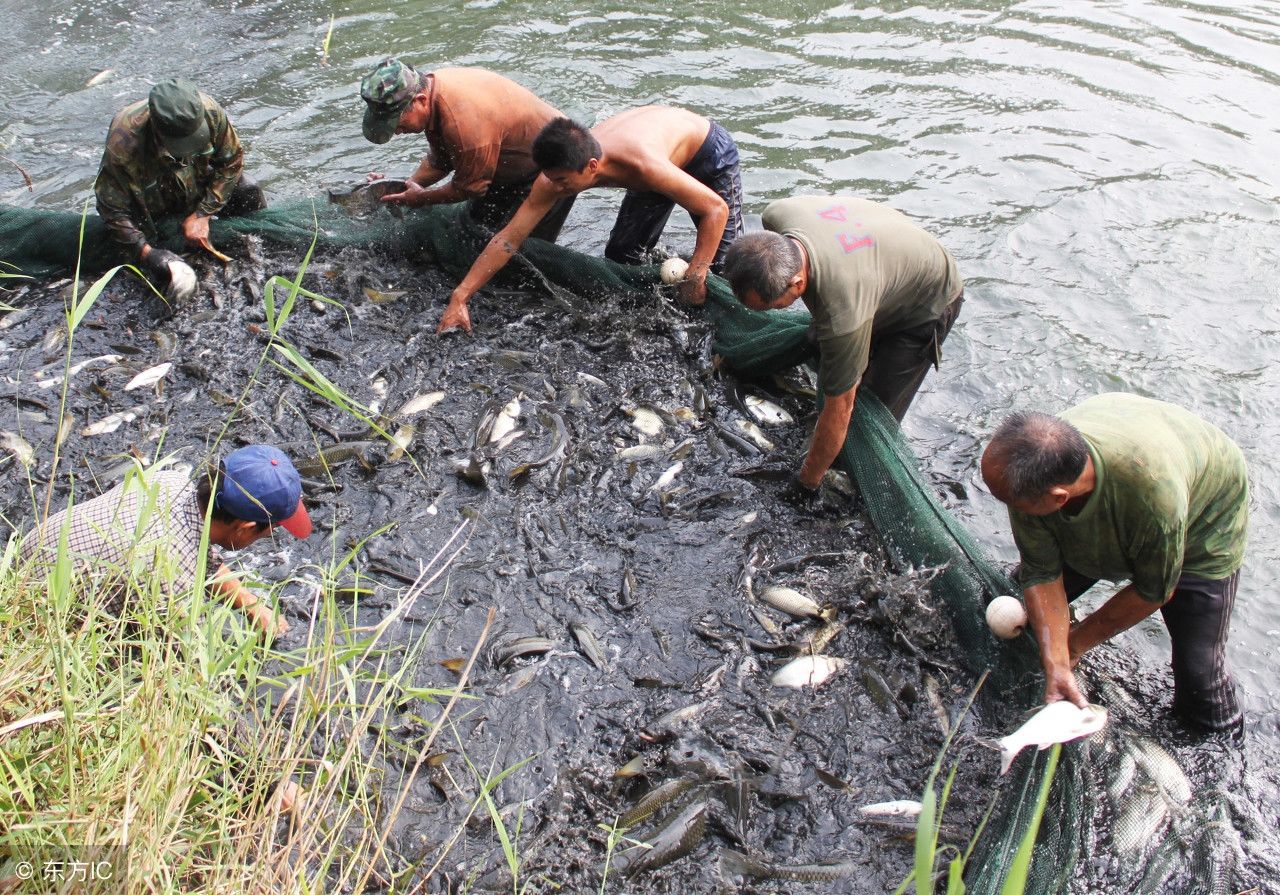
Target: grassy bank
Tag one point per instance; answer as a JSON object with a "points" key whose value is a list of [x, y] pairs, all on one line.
{"points": [[159, 741]]}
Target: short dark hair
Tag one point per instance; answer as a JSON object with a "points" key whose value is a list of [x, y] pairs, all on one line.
{"points": [[564, 145], [206, 488], [763, 263], [1038, 451]]}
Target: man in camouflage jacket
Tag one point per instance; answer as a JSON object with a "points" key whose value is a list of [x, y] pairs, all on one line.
{"points": [[174, 153]]}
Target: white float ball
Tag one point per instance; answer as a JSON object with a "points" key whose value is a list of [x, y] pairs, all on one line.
{"points": [[1006, 617], [673, 270]]}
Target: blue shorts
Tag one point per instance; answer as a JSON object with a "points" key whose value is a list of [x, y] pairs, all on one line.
{"points": [[644, 214]]}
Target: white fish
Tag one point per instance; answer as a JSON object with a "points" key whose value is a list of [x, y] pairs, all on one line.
{"points": [[638, 453], [507, 440], [379, 386], [402, 440], [182, 281], [592, 380], [1058, 722], [767, 412], [105, 359], [1163, 770], [896, 808], [100, 77], [148, 377], [755, 433], [807, 671], [1142, 815], [791, 602], [420, 403], [506, 421], [110, 423], [646, 421], [18, 446], [667, 477]]}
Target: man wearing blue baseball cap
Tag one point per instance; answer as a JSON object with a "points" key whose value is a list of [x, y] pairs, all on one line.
{"points": [[154, 525]]}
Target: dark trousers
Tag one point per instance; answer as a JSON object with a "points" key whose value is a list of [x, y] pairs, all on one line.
{"points": [[899, 361], [644, 214], [1197, 617], [498, 205], [245, 197]]}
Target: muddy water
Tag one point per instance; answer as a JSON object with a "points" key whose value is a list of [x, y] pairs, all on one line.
{"points": [[1103, 172]]}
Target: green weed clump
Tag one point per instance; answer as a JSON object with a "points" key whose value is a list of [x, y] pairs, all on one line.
{"points": [[163, 741]]}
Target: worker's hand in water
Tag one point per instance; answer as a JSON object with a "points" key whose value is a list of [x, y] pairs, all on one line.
{"points": [[157, 265], [1060, 685], [693, 288], [456, 315], [195, 227], [410, 196], [809, 501], [270, 624]]}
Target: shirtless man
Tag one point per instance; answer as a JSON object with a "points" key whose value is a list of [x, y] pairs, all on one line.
{"points": [[479, 127], [663, 157]]}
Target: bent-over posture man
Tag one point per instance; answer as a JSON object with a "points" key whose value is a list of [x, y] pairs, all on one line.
{"points": [[153, 525], [663, 157], [479, 126], [883, 294], [1124, 488], [174, 153]]}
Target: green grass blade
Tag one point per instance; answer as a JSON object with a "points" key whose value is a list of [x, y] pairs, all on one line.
{"points": [[1016, 882], [926, 833]]}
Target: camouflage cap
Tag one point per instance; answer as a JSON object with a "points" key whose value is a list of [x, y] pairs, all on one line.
{"points": [[388, 89], [177, 112]]}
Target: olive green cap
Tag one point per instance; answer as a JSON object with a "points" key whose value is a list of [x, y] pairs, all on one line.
{"points": [[388, 90], [177, 113]]}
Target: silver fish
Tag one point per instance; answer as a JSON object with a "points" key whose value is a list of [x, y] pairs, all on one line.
{"points": [[1058, 722], [182, 281], [639, 453], [112, 422], [380, 298], [667, 477], [755, 433], [646, 421], [795, 603], [403, 440], [18, 446], [807, 671], [592, 380], [420, 403], [105, 360], [897, 808], [521, 646], [100, 77], [767, 412], [589, 645], [505, 422], [148, 377], [474, 469], [667, 724]]}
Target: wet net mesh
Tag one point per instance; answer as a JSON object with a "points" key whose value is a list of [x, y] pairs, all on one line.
{"points": [[1122, 814]]}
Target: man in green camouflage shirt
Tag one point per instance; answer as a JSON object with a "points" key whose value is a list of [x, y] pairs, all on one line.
{"points": [[174, 153], [1124, 488]]}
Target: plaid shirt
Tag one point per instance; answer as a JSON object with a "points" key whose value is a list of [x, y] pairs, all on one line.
{"points": [[146, 528]]}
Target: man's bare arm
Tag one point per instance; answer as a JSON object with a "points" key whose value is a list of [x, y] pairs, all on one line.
{"points": [[701, 202], [828, 436], [1050, 623], [1125, 609], [240, 597], [505, 243]]}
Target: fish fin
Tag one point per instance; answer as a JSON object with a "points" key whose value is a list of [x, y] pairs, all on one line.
{"points": [[1007, 755]]}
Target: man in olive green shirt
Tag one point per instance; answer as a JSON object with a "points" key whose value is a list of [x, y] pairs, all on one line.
{"points": [[883, 294], [1125, 488]]}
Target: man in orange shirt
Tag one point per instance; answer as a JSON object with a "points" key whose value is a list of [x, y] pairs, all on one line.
{"points": [[479, 127]]}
